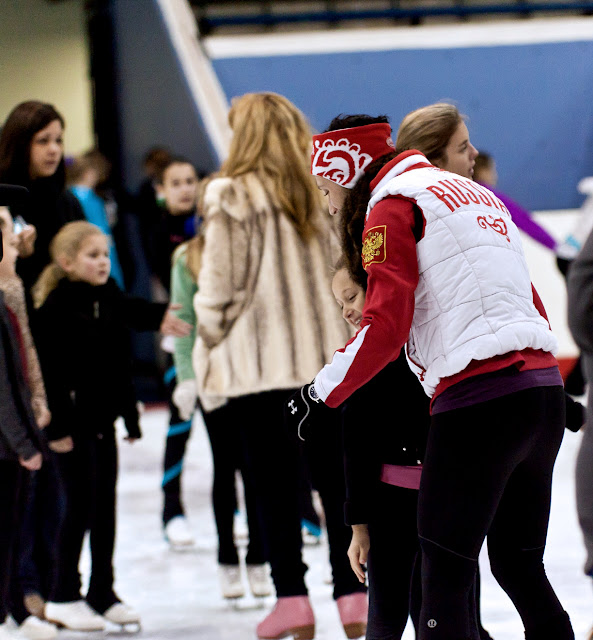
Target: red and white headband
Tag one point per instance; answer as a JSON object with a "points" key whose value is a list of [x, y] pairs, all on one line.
{"points": [[342, 156]]}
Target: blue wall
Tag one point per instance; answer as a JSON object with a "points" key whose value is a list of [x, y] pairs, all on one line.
{"points": [[530, 106]]}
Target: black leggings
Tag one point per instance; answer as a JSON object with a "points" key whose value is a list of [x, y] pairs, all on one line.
{"points": [[13, 486], [395, 589], [392, 558], [223, 432], [177, 436], [273, 463], [488, 470], [89, 474]]}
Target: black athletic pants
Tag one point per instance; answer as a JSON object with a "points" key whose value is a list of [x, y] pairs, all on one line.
{"points": [[42, 521], [178, 434], [272, 454], [488, 470], [13, 487], [225, 443], [89, 474], [395, 590]]}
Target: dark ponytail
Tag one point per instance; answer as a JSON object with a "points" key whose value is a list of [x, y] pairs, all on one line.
{"points": [[352, 219]]}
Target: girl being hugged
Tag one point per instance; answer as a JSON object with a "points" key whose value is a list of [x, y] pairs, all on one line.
{"points": [[82, 322]]}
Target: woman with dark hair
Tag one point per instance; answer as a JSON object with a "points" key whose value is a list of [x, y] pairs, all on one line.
{"points": [[32, 155], [447, 278], [383, 473]]}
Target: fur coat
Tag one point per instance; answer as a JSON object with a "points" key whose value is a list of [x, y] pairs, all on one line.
{"points": [[267, 318]]}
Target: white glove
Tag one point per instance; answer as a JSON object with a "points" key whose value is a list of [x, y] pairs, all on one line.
{"points": [[585, 186], [184, 398]]}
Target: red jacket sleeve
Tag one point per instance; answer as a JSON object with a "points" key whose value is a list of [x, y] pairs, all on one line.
{"points": [[539, 305], [389, 257]]}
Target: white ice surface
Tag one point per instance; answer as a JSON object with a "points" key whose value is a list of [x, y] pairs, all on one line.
{"points": [[177, 593]]}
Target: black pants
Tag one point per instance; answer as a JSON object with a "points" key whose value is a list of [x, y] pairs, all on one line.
{"points": [[13, 486], [394, 566], [393, 557], [323, 458], [225, 442], [44, 512], [177, 436], [488, 470], [89, 474], [272, 457]]}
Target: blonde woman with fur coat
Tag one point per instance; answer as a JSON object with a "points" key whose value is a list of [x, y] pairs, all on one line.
{"points": [[268, 322]]}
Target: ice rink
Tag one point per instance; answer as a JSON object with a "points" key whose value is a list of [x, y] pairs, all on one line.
{"points": [[177, 593]]}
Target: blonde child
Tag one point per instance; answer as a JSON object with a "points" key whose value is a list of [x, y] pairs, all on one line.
{"points": [[83, 321]]}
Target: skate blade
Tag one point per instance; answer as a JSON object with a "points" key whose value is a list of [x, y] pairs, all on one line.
{"points": [[127, 629], [297, 633], [355, 630]]}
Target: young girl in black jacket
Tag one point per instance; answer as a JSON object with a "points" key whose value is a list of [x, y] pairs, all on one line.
{"points": [[82, 324], [382, 472]]}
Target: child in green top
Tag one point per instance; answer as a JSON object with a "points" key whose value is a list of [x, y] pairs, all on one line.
{"points": [[223, 441]]}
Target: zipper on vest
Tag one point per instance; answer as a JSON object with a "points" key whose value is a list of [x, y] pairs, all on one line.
{"points": [[96, 309]]}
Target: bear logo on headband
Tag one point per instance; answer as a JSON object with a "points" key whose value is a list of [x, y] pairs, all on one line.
{"points": [[340, 161]]}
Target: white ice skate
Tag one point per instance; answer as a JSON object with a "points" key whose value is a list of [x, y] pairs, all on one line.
{"points": [[178, 534], [231, 584], [124, 616], [7, 633], [34, 629], [76, 616], [259, 580]]}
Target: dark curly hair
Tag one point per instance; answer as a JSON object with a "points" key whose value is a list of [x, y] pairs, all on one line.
{"points": [[357, 120], [352, 219]]}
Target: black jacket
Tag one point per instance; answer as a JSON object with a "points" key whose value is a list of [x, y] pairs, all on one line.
{"points": [[49, 207], [82, 336], [385, 422]]}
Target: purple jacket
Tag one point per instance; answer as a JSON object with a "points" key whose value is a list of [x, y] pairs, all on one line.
{"points": [[522, 218]]}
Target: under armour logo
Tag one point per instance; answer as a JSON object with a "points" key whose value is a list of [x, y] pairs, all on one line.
{"points": [[293, 409], [432, 623]]}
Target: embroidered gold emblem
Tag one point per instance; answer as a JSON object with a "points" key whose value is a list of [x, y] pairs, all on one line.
{"points": [[373, 246]]}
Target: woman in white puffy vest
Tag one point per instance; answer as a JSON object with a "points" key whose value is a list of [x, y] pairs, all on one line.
{"points": [[447, 278]]}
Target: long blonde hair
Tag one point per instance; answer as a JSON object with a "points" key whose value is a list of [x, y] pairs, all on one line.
{"points": [[429, 130], [273, 138], [67, 242]]}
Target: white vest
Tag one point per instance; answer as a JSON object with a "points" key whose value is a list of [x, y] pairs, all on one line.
{"points": [[474, 299]]}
